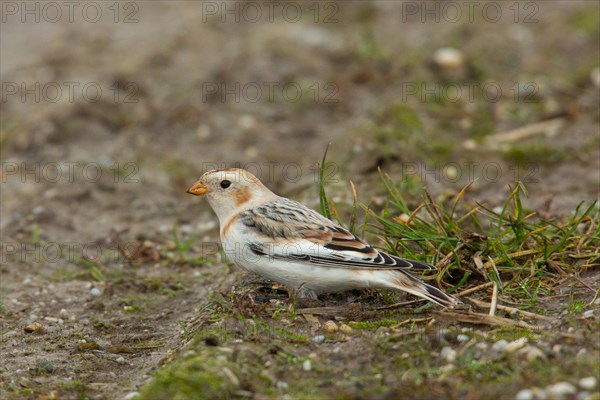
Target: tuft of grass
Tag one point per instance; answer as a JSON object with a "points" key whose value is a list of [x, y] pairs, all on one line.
{"points": [[93, 269], [522, 251]]}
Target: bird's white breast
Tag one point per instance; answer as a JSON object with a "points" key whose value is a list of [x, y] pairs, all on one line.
{"points": [[293, 274]]}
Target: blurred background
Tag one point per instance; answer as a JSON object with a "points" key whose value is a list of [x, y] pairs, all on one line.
{"points": [[110, 110], [159, 92]]}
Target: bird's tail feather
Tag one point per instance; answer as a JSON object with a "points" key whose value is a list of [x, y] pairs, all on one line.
{"points": [[408, 283]]}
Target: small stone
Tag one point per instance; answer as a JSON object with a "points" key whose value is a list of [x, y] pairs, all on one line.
{"points": [[281, 385], [539, 393], [319, 339], [595, 76], [462, 338], [307, 365], [499, 346], [588, 383], [557, 348], [382, 331], [583, 395], [515, 345], [345, 329], [330, 327], [560, 390], [533, 353], [95, 292], [36, 326], [120, 360], [588, 314], [37, 210], [131, 395], [449, 58], [524, 394], [448, 354]]}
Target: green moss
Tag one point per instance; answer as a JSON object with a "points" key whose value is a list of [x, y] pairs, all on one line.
{"points": [[200, 376], [535, 154], [372, 325]]}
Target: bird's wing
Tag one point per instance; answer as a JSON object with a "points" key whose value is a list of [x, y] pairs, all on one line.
{"points": [[285, 229]]}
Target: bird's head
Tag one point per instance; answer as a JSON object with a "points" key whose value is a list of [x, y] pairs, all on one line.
{"points": [[230, 191]]}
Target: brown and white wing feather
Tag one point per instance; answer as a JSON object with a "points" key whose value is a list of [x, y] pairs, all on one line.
{"points": [[286, 229]]}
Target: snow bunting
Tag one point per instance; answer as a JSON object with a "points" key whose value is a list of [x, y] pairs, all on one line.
{"points": [[284, 241]]}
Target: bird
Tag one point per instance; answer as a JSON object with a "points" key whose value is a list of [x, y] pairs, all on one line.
{"points": [[284, 241]]}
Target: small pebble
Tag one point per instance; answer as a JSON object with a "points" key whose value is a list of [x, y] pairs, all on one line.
{"points": [[448, 354], [524, 394], [500, 345], [307, 365], [319, 339], [382, 331], [588, 314], [584, 396], [345, 329], [95, 292], [533, 353], [595, 76], [588, 383], [515, 345], [449, 58], [37, 210], [462, 338], [560, 390], [120, 360], [281, 385], [330, 327], [33, 327], [556, 349]]}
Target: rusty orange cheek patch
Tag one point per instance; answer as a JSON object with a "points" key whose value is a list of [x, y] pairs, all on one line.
{"points": [[242, 195]]}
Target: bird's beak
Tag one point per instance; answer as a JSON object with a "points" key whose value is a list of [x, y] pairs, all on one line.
{"points": [[198, 189]]}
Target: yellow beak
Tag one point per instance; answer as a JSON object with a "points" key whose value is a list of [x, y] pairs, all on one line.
{"points": [[198, 189]]}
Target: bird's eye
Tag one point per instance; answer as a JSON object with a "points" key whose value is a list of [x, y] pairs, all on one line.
{"points": [[225, 184]]}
